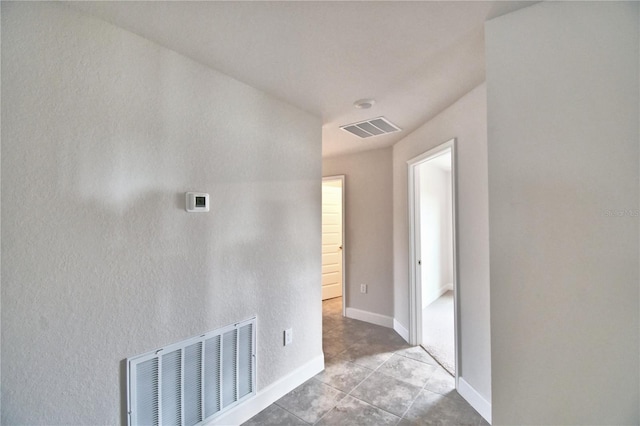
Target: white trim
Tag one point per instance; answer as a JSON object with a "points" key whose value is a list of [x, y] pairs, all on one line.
{"points": [[476, 400], [370, 317], [342, 179], [415, 290], [267, 396], [401, 330]]}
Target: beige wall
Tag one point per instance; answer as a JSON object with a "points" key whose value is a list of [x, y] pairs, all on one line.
{"points": [[368, 240], [465, 121], [563, 117], [102, 133]]}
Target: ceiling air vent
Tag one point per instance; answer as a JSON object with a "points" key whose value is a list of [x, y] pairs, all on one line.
{"points": [[374, 127]]}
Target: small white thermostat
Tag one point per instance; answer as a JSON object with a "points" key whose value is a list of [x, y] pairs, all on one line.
{"points": [[197, 202]]}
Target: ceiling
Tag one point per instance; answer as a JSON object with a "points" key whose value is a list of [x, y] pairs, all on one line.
{"points": [[414, 58]]}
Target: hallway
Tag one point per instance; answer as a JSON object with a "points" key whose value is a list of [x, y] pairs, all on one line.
{"points": [[371, 377]]}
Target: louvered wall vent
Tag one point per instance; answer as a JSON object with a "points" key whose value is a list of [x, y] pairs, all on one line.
{"points": [[369, 128], [193, 381]]}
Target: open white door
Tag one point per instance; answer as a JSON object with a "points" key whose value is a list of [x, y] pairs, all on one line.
{"points": [[434, 314], [332, 237]]}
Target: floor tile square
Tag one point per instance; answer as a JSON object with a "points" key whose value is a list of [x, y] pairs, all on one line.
{"points": [[274, 416], [418, 353], [353, 412], [431, 408], [342, 375], [441, 382], [367, 355], [350, 330], [332, 346], [311, 400], [387, 393], [408, 370], [388, 336]]}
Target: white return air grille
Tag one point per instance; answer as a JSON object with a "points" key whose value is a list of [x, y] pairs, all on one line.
{"points": [[374, 127], [195, 380]]}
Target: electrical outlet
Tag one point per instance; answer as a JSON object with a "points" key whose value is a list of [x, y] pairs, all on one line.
{"points": [[363, 288], [288, 336]]}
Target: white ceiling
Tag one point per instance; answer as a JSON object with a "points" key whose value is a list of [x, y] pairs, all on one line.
{"points": [[414, 58]]}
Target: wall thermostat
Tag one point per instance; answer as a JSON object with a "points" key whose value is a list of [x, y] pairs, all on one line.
{"points": [[197, 202]]}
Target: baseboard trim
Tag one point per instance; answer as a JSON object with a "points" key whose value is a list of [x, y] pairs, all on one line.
{"points": [[476, 400], [267, 396], [435, 295], [370, 317], [401, 330]]}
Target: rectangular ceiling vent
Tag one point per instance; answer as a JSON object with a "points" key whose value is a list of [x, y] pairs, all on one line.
{"points": [[369, 128]]}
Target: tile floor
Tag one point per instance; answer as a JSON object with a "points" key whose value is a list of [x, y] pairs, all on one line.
{"points": [[371, 377]]}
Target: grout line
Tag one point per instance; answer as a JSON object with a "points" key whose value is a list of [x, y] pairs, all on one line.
{"points": [[376, 407], [297, 417], [436, 360], [416, 397]]}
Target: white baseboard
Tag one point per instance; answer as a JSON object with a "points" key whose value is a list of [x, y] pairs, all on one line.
{"points": [[476, 400], [370, 317], [401, 330], [435, 295], [267, 396]]}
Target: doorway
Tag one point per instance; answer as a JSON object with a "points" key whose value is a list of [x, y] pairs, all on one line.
{"points": [[333, 238], [433, 254]]}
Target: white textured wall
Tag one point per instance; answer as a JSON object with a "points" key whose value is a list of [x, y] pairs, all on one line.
{"points": [[563, 112], [102, 133], [369, 252], [466, 121]]}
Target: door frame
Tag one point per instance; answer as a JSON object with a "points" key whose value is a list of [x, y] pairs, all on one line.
{"points": [[342, 179], [415, 287]]}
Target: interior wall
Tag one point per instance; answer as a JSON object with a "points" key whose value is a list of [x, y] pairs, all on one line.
{"points": [[435, 231], [563, 119], [368, 227], [466, 121], [102, 134]]}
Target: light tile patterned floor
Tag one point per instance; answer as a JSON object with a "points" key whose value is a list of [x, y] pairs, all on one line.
{"points": [[371, 377]]}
